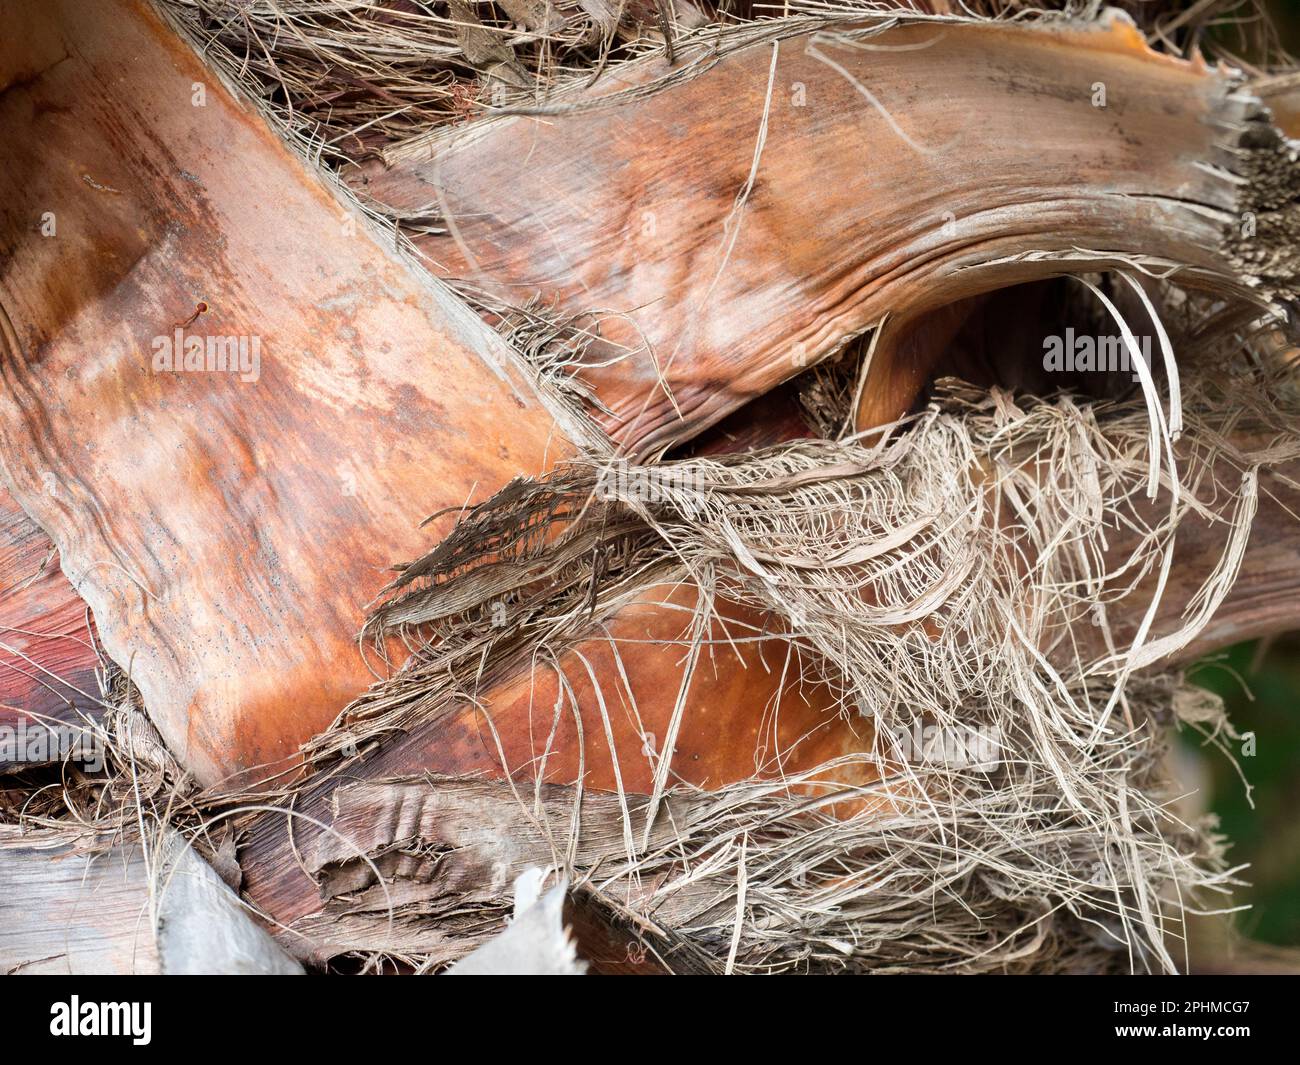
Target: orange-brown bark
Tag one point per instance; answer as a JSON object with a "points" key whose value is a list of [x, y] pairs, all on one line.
{"points": [[227, 532], [47, 656], [748, 220]]}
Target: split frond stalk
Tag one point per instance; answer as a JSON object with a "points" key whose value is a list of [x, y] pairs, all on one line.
{"points": [[193, 509], [903, 165]]}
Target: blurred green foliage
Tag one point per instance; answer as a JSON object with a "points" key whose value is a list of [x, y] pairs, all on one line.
{"points": [[1260, 683]]}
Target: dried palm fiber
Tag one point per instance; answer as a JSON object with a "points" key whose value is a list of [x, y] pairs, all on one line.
{"points": [[965, 622], [268, 731], [624, 216], [545, 353], [121, 871], [350, 77], [378, 400]]}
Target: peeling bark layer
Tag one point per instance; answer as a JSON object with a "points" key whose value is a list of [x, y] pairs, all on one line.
{"points": [[749, 219], [72, 904], [520, 716], [202, 547], [227, 527], [47, 655], [229, 550]]}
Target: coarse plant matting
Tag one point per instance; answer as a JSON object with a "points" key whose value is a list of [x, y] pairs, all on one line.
{"points": [[934, 577]]}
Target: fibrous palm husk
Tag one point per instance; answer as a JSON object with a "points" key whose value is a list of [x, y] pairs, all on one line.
{"points": [[712, 897]]}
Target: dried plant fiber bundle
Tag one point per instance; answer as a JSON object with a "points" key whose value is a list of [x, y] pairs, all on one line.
{"points": [[933, 580]]}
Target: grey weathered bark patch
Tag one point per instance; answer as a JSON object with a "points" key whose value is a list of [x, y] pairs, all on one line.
{"points": [[75, 903], [535, 943]]}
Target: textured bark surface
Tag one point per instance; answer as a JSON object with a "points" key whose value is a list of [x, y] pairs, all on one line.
{"points": [[520, 716], [227, 533], [436, 839], [74, 905], [750, 219], [63, 912], [47, 658], [229, 551]]}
